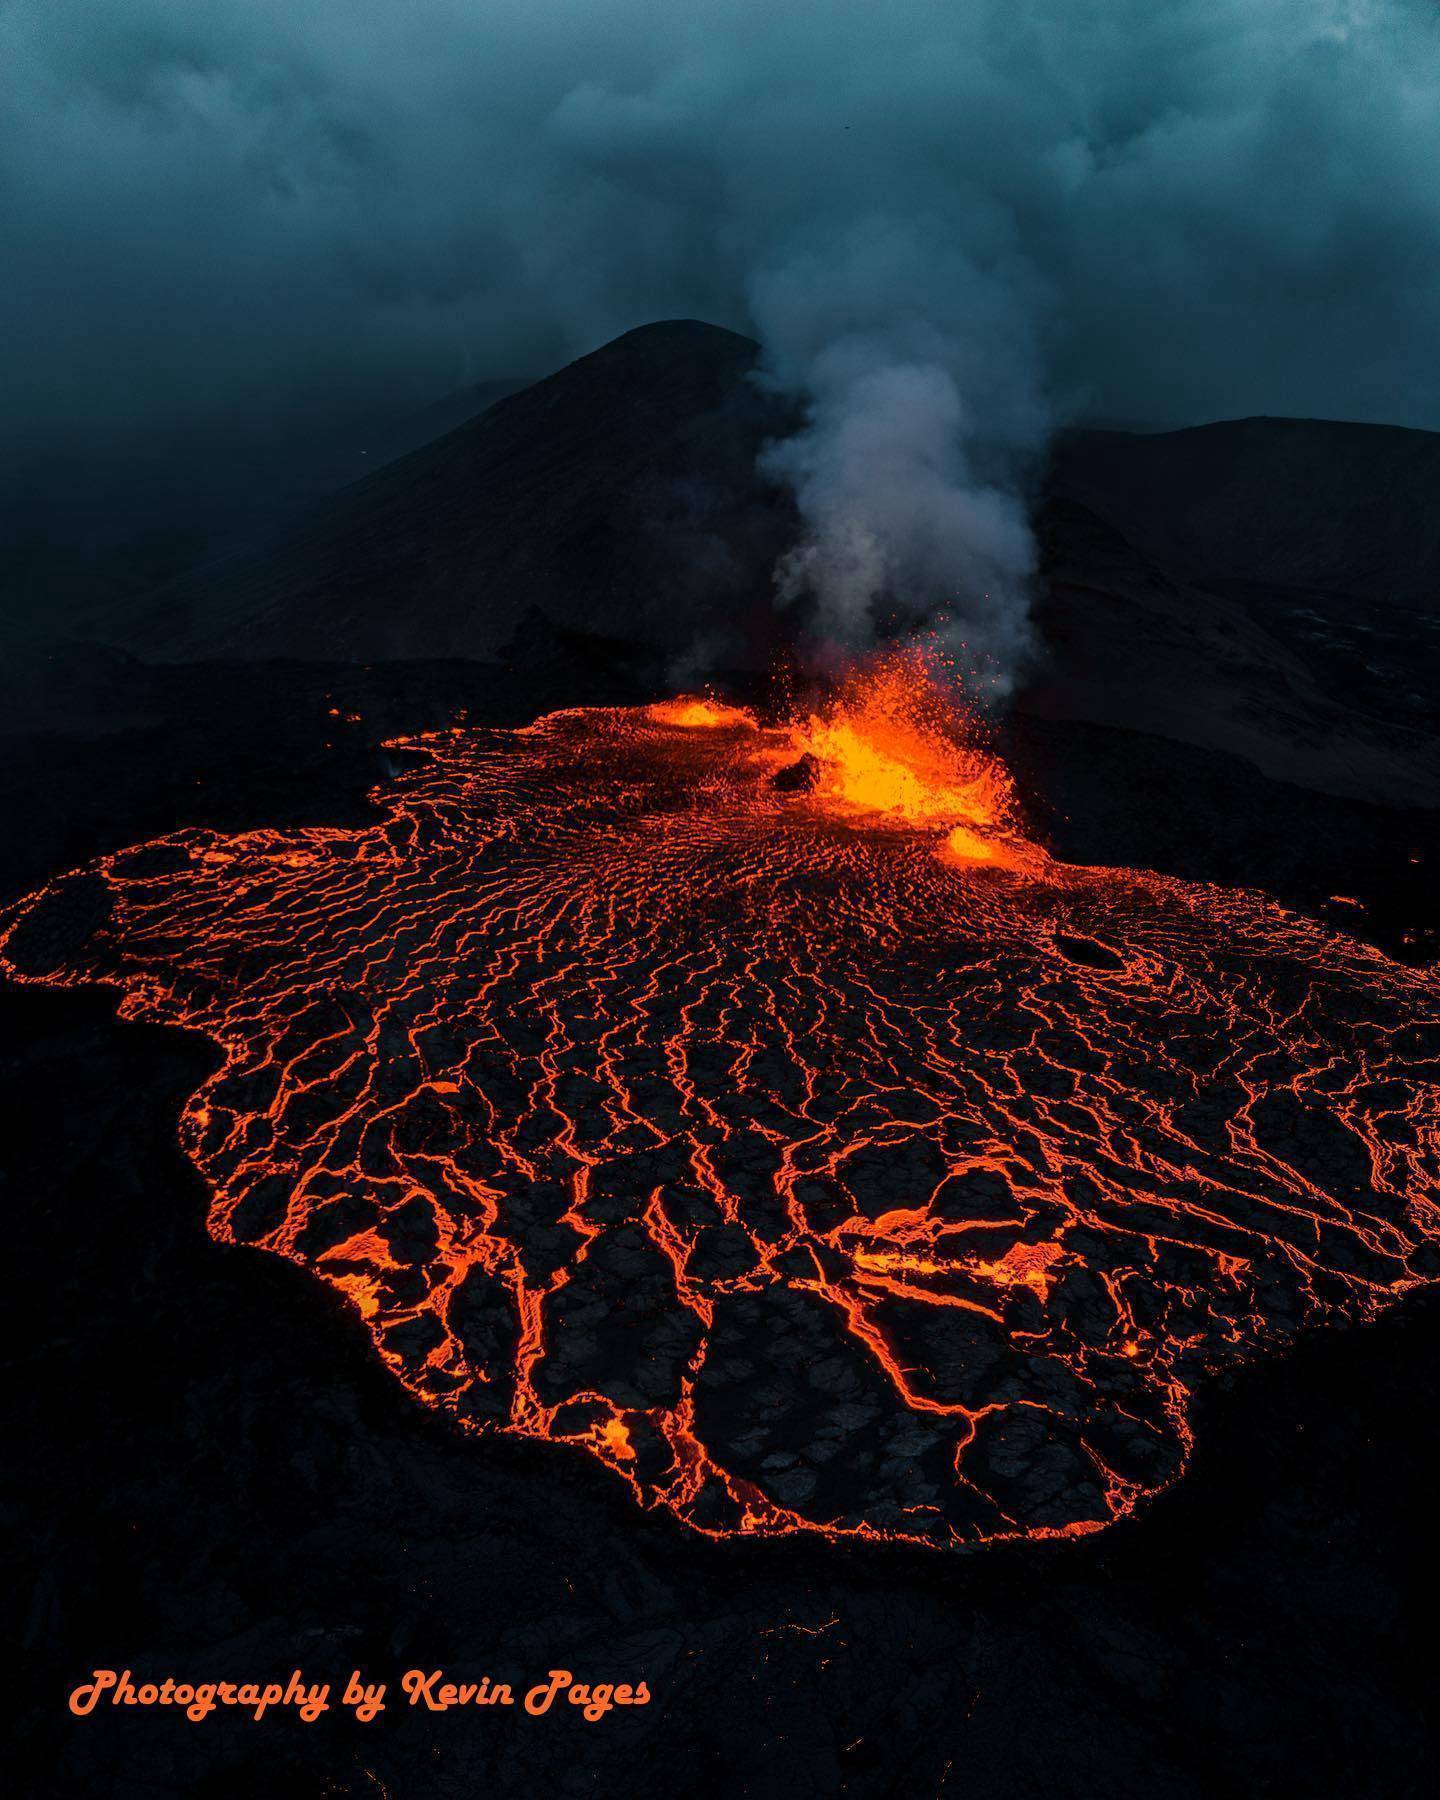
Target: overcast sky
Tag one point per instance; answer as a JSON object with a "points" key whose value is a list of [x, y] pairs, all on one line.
{"points": [[226, 210], [953, 224]]}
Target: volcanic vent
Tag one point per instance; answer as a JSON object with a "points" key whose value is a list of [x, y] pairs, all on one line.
{"points": [[814, 1151]]}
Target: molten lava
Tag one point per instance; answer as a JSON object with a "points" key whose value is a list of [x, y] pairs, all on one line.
{"points": [[894, 746], [892, 743], [697, 711], [818, 1159]]}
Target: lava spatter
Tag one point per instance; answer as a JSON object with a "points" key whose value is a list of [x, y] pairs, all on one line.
{"points": [[817, 1156]]}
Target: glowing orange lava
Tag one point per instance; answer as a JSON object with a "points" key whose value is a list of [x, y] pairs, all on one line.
{"points": [[892, 742], [817, 1155], [694, 711], [894, 746]]}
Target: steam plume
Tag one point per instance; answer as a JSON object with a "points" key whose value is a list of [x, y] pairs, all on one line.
{"points": [[950, 225], [920, 424]]}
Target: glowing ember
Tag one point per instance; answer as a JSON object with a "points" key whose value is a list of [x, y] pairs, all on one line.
{"points": [[824, 1160]]}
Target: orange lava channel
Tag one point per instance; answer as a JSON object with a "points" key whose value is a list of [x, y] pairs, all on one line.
{"points": [[757, 1109]]}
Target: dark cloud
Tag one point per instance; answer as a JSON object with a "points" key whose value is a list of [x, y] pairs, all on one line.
{"points": [[951, 225]]}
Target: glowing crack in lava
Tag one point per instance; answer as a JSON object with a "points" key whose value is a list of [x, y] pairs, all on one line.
{"points": [[757, 1109]]}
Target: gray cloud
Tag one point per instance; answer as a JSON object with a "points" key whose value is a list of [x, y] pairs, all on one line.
{"points": [[950, 225]]}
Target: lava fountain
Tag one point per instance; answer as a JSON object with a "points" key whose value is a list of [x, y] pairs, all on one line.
{"points": [[758, 1109]]}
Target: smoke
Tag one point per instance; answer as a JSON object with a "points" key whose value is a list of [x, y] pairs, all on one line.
{"points": [[952, 227], [919, 373]]}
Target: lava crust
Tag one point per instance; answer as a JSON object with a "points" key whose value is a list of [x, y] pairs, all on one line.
{"points": [[812, 1168]]}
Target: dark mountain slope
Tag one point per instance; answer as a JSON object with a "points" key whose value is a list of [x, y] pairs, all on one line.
{"points": [[1299, 503], [616, 498], [1268, 588], [1332, 692], [86, 533]]}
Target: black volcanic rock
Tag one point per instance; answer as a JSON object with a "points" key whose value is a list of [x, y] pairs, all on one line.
{"points": [[617, 499], [799, 777], [1269, 588], [1329, 691], [1266, 587], [1294, 503]]}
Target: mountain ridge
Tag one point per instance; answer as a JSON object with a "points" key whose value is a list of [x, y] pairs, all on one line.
{"points": [[1262, 587]]}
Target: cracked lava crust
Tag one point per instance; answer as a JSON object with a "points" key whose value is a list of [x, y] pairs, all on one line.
{"points": [[814, 1151]]}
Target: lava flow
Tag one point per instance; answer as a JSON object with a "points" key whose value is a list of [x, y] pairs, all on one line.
{"points": [[758, 1109]]}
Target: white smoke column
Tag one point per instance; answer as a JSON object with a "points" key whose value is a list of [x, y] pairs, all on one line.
{"points": [[921, 429]]}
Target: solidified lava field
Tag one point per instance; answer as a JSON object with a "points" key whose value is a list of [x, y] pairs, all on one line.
{"points": [[757, 1109]]}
